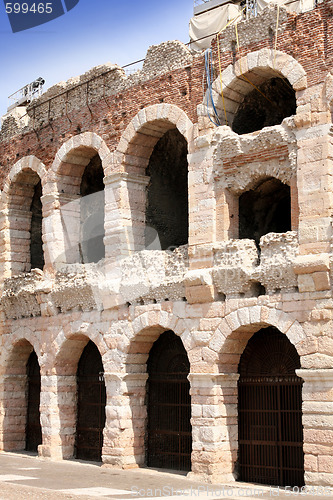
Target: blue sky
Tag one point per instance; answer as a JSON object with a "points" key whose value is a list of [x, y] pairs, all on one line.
{"points": [[94, 32]]}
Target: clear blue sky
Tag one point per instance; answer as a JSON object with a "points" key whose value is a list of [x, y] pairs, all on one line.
{"points": [[94, 32]]}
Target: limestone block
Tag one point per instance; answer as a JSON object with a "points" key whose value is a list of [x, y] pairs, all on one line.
{"points": [[217, 341], [307, 264], [319, 479], [317, 361], [321, 280], [200, 294], [325, 464], [198, 277], [306, 283], [311, 463]]}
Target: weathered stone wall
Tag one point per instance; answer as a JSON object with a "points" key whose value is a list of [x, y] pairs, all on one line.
{"points": [[214, 292]]}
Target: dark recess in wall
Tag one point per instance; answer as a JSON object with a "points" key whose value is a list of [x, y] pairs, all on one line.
{"points": [[167, 192], [264, 209], [36, 243], [257, 111], [92, 212]]}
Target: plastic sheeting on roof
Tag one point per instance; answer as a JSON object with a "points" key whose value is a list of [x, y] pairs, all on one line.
{"points": [[203, 26], [210, 22]]}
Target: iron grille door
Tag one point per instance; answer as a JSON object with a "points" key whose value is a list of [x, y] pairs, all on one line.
{"points": [[270, 412], [270, 437], [91, 405], [169, 405], [33, 426]]}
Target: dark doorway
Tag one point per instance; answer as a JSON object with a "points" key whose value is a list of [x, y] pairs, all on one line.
{"points": [[167, 192], [36, 242], [92, 212], [270, 428], [265, 106], [265, 209], [91, 405], [169, 405], [33, 427]]}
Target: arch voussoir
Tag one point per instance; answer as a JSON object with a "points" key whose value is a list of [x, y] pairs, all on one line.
{"points": [[257, 67], [250, 319]]}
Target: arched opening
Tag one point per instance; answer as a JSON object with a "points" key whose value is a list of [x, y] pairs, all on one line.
{"points": [[90, 404], [92, 212], [169, 432], [33, 426], [265, 106], [270, 429], [25, 222], [167, 192], [21, 426], [36, 242], [265, 209], [81, 194]]}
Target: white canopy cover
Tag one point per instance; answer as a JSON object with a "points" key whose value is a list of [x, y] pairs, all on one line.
{"points": [[202, 26]]}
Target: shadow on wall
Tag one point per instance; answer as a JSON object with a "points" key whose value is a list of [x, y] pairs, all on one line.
{"points": [[265, 209], [265, 106], [167, 192]]}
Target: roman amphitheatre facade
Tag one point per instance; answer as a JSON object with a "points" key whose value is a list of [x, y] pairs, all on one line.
{"points": [[166, 293]]}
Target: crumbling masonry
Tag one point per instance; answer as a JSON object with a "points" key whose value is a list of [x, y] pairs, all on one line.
{"points": [[218, 237]]}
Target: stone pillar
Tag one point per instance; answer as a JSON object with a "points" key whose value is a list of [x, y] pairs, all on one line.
{"points": [[227, 214], [317, 397], [125, 428], [61, 229], [202, 217], [214, 426], [201, 192], [315, 188], [71, 227], [58, 409], [125, 205], [4, 247], [19, 223], [13, 412]]}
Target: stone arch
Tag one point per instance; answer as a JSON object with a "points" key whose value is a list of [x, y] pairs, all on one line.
{"points": [[229, 341], [69, 344], [67, 348], [145, 129], [150, 324], [232, 334], [127, 384], [256, 177], [22, 203], [85, 144], [14, 357], [261, 65], [27, 163], [81, 152], [154, 127]]}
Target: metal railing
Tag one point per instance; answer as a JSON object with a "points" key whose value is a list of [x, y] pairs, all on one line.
{"points": [[26, 94], [250, 11], [251, 8], [200, 6]]}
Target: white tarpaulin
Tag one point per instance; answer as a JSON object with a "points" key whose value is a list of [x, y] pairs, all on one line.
{"points": [[297, 6], [211, 22]]}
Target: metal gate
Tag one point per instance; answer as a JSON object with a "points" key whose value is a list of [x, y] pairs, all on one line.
{"points": [[33, 427], [169, 405], [91, 405], [270, 412]]}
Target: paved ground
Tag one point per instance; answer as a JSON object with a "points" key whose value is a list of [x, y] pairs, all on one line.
{"points": [[24, 477]]}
